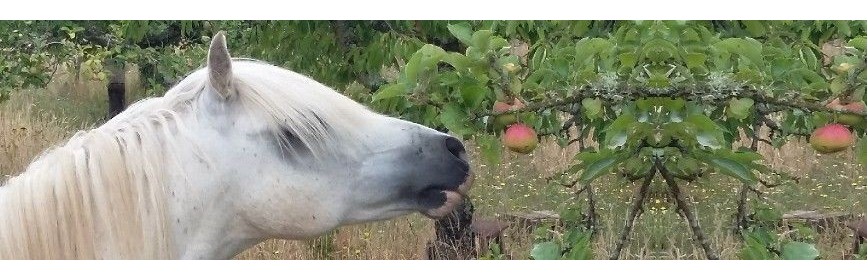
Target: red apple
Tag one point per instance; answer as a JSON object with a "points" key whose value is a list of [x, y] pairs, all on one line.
{"points": [[504, 120], [517, 104], [852, 119], [500, 107], [520, 138], [855, 107], [831, 138], [835, 104]]}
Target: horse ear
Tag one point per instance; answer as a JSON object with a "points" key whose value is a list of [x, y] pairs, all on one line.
{"points": [[220, 66]]}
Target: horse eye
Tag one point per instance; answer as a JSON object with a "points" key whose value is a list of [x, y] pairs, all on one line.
{"points": [[290, 143]]}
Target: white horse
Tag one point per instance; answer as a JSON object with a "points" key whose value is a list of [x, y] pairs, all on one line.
{"points": [[238, 152]]}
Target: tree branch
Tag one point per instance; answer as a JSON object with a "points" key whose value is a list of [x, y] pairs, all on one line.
{"points": [[639, 198], [591, 222], [777, 128], [689, 93], [686, 210]]}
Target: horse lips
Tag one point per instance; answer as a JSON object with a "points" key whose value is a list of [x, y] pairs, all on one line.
{"points": [[454, 199]]}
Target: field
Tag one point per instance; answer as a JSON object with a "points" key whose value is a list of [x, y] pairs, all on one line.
{"points": [[33, 120]]}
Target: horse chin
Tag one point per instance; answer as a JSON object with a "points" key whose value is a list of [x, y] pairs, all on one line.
{"points": [[454, 199]]}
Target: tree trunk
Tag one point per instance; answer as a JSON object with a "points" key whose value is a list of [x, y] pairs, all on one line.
{"points": [[638, 200], [454, 238], [687, 211], [117, 99]]}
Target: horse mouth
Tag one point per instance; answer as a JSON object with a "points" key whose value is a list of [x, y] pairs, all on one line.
{"points": [[454, 198]]}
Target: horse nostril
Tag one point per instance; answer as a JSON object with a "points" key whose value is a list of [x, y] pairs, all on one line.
{"points": [[455, 147]]}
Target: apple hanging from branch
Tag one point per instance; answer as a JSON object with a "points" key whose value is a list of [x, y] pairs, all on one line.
{"points": [[520, 138], [831, 138]]}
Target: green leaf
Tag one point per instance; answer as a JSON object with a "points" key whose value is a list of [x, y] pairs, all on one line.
{"points": [[455, 119], [673, 105], [754, 249], [618, 130], [708, 133], [767, 216], [587, 48], [423, 60], [764, 236], [838, 85], [542, 232], [843, 27], [748, 48], [636, 166], [695, 60], [863, 252], [571, 216], [412, 69], [431, 55], [596, 169], [690, 35], [580, 253], [739, 108], [546, 251], [473, 93], [462, 32], [390, 91], [579, 241], [481, 39], [799, 251], [491, 148], [754, 27], [592, 107], [729, 166], [498, 43], [858, 43], [627, 60], [687, 166], [809, 57], [595, 164], [574, 234], [780, 66]]}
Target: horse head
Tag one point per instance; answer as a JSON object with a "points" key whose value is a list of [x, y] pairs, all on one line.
{"points": [[287, 157]]}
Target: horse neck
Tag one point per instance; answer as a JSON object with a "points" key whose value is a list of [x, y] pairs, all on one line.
{"points": [[102, 195]]}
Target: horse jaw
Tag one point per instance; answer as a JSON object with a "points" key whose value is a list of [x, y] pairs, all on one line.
{"points": [[223, 214]]}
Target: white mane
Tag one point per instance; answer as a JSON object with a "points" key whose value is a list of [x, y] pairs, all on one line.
{"points": [[103, 193]]}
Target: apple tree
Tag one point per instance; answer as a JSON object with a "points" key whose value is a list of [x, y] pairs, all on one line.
{"points": [[665, 100]]}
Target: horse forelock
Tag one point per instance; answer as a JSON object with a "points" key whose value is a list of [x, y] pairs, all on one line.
{"points": [[325, 121]]}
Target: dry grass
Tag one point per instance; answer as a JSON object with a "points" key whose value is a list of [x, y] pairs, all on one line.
{"points": [[24, 135], [34, 120], [400, 239]]}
